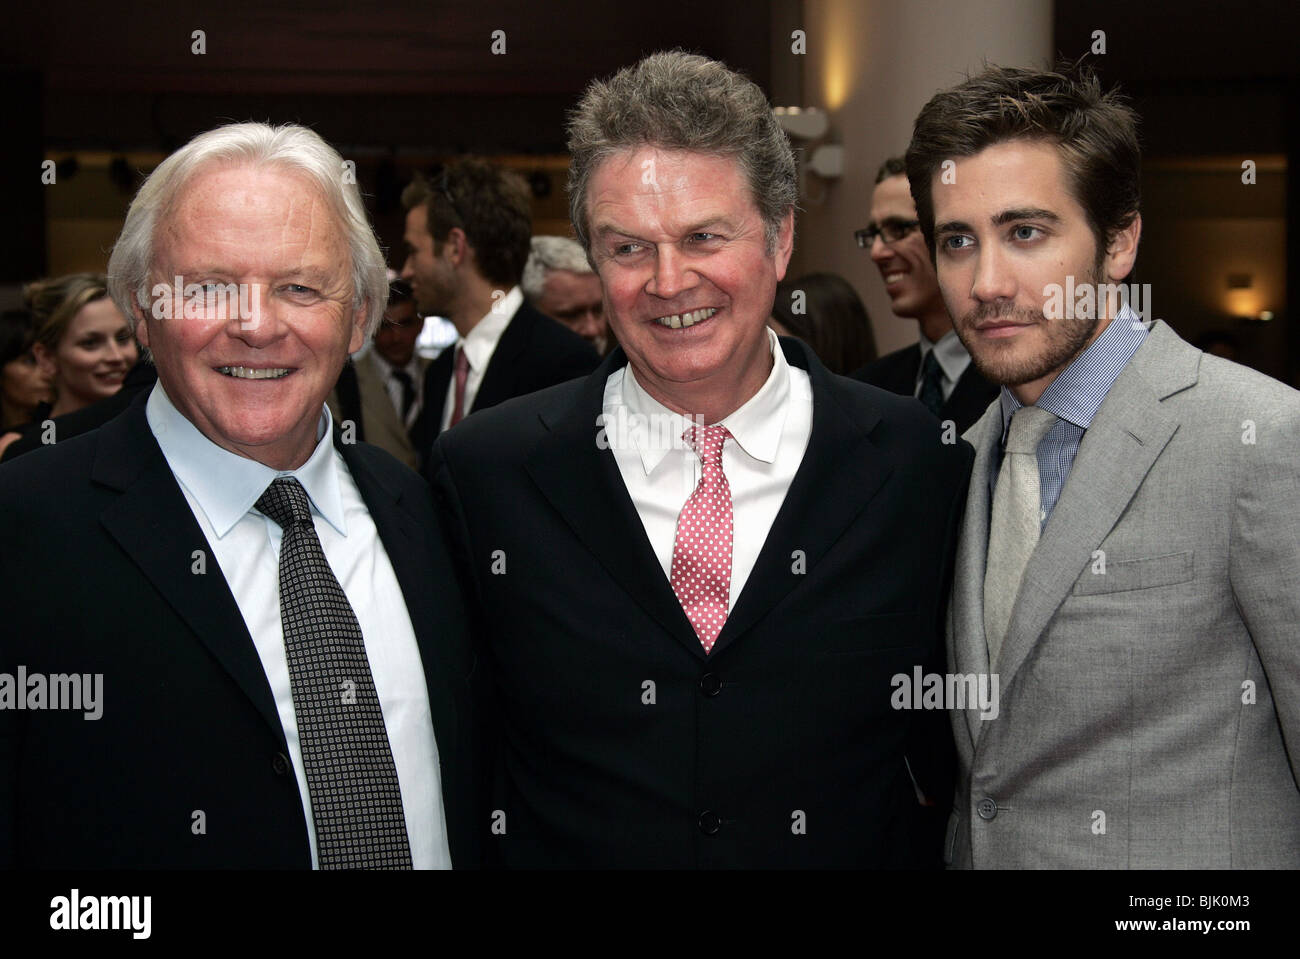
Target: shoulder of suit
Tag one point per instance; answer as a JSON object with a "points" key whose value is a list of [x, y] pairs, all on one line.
{"points": [[901, 423], [49, 477], [886, 364], [509, 429]]}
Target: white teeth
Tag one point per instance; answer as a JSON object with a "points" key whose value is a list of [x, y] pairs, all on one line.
{"points": [[891, 277], [248, 373], [682, 320]]}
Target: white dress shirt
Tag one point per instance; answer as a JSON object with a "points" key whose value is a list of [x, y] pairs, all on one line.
{"points": [[479, 347], [221, 488], [771, 433], [394, 388], [953, 360]]}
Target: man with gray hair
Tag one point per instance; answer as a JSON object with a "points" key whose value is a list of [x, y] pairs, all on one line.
{"points": [[560, 282], [699, 571], [288, 687]]}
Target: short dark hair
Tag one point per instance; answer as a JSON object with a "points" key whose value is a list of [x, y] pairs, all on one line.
{"points": [[492, 205], [893, 166], [1095, 131]]}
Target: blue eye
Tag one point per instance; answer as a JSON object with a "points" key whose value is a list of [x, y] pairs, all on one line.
{"points": [[1026, 232], [958, 241]]}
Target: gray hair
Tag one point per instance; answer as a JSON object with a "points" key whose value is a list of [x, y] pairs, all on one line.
{"points": [[291, 147], [680, 101], [549, 253]]}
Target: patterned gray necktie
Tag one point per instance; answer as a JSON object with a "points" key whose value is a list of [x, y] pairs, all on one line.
{"points": [[1015, 523], [356, 801]]}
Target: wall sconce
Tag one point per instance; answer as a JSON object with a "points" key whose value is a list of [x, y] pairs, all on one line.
{"points": [[808, 124], [802, 124]]}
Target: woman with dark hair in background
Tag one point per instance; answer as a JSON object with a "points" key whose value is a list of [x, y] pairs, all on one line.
{"points": [[23, 384], [824, 311], [82, 342]]}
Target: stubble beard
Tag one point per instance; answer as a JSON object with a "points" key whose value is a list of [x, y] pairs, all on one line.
{"points": [[1000, 363]]}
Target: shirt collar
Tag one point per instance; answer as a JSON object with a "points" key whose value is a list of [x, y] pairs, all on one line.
{"points": [[482, 339], [387, 369], [227, 485], [756, 426], [951, 355], [1079, 390]]}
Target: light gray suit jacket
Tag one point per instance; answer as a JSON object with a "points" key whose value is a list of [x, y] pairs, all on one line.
{"points": [[1149, 715]]}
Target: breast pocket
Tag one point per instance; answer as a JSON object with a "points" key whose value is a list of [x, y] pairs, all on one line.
{"points": [[1123, 575]]}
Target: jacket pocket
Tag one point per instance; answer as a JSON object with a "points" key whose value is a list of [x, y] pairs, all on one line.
{"points": [[1121, 576]]}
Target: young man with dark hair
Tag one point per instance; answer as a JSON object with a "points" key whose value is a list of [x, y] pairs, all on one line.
{"points": [[1131, 538], [466, 242]]}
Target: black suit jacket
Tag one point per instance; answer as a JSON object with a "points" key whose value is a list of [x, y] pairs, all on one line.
{"points": [[897, 371], [139, 379], [620, 742], [534, 352], [100, 574]]}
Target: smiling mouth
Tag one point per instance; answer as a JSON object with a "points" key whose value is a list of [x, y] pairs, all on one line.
{"points": [[680, 321], [249, 373]]}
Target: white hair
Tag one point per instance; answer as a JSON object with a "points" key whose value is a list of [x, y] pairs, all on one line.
{"points": [[291, 147], [551, 253]]}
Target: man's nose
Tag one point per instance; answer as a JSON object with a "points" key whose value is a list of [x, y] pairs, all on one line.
{"points": [[671, 275], [994, 279]]}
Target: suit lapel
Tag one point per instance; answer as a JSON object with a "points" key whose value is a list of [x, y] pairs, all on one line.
{"points": [[840, 472], [1126, 437], [153, 523], [582, 481], [968, 646], [400, 532], [969, 398], [498, 383], [436, 378]]}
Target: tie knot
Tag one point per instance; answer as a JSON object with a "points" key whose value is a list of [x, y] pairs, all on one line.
{"points": [[286, 502], [1029, 425], [930, 364], [461, 361], [707, 441], [402, 377]]}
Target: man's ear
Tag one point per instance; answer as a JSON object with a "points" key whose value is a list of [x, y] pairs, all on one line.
{"points": [[456, 245], [784, 244], [358, 338], [140, 323], [1123, 251]]}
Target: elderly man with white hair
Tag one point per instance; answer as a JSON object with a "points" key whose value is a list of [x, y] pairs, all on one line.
{"points": [[262, 612], [560, 282]]}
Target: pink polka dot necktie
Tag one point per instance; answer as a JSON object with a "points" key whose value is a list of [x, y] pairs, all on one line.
{"points": [[701, 570]]}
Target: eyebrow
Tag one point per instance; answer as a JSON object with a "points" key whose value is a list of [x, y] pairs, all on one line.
{"points": [[609, 229], [1001, 219]]}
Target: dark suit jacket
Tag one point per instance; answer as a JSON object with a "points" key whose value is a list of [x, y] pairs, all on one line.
{"points": [[897, 371], [534, 352], [621, 743], [97, 575]]}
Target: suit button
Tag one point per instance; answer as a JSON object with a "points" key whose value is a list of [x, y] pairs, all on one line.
{"points": [[987, 808], [711, 684], [280, 764], [710, 823]]}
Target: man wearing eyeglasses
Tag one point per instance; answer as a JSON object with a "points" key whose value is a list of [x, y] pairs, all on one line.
{"points": [[937, 370]]}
